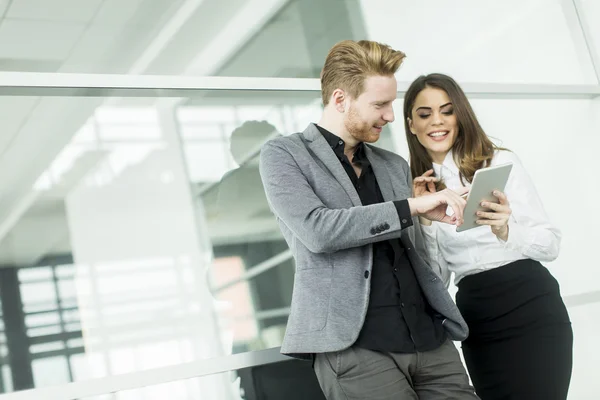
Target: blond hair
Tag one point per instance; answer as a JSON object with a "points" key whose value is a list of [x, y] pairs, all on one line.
{"points": [[349, 63]]}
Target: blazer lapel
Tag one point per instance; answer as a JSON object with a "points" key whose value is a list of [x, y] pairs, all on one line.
{"points": [[382, 174], [320, 148]]}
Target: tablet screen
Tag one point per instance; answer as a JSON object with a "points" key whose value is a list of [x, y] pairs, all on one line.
{"points": [[485, 181]]}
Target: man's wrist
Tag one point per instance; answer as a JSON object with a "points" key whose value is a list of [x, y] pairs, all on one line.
{"points": [[412, 204]]}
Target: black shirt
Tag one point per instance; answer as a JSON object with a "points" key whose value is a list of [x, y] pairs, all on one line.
{"points": [[399, 319]]}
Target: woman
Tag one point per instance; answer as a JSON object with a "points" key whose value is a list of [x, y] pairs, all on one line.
{"points": [[520, 343]]}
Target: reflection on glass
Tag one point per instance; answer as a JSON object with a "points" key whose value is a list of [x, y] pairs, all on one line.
{"points": [[6, 379], [252, 273], [242, 229], [5, 372], [235, 303], [40, 274], [129, 289], [50, 371]]}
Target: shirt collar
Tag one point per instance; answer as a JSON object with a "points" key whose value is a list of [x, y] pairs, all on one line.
{"points": [[338, 145], [447, 166]]}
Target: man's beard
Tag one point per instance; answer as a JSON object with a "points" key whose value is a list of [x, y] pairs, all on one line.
{"points": [[359, 129]]}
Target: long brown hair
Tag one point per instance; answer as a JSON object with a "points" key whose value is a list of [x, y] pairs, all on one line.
{"points": [[472, 148]]}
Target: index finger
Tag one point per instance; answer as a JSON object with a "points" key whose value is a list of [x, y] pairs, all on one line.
{"points": [[457, 204]]}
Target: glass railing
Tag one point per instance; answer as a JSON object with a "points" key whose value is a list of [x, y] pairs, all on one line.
{"points": [[139, 249]]}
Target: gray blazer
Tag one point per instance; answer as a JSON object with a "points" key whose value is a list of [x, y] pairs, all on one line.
{"points": [[331, 234]]}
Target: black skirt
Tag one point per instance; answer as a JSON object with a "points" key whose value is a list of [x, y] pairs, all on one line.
{"points": [[520, 344]]}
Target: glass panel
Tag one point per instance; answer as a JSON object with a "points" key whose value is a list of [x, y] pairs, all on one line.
{"points": [[66, 289], [42, 292], [73, 327], [65, 272], [50, 371], [129, 259], [41, 307], [35, 274], [44, 319], [7, 379], [47, 330], [77, 342], [235, 303], [44, 347], [89, 366], [157, 279]]}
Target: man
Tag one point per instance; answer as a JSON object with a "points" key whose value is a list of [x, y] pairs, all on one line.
{"points": [[374, 317]]}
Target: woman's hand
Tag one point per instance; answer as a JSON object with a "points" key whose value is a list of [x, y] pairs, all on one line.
{"points": [[497, 217], [424, 184]]}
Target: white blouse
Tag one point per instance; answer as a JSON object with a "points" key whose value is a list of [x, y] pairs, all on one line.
{"points": [[530, 235]]}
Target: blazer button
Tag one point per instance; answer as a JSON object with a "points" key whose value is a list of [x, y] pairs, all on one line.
{"points": [[404, 221], [373, 231], [386, 226], [366, 274]]}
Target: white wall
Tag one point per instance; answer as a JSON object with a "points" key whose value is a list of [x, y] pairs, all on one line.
{"points": [[510, 41]]}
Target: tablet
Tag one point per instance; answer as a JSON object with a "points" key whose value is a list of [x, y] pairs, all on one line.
{"points": [[485, 181]]}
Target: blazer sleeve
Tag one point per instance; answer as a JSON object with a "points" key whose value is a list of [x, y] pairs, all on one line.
{"points": [[319, 228]]}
